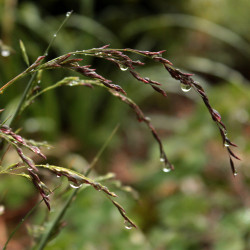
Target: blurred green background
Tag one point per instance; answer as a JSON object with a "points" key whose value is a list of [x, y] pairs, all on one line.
{"points": [[200, 205]]}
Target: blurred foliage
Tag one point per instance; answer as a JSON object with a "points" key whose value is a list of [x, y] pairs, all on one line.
{"points": [[197, 206]]}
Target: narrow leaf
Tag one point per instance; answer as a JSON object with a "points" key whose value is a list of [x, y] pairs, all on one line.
{"points": [[24, 53]]}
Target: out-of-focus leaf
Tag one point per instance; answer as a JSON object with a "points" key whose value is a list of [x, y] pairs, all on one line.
{"points": [[187, 21], [24, 52]]}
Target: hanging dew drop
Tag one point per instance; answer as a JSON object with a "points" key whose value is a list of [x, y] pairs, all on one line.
{"points": [[156, 56], [226, 144], [74, 83], [68, 13], [73, 185], [5, 53], [128, 227], [127, 224], [235, 173], [166, 170], [122, 67], [185, 87], [217, 115], [162, 159], [54, 35], [1, 92]]}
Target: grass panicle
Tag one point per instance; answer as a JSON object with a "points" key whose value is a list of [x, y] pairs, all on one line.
{"points": [[89, 77]]}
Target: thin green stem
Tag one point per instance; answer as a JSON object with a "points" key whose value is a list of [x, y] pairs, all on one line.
{"points": [[55, 34], [58, 84], [24, 96], [96, 158], [20, 223], [35, 96], [60, 215], [20, 104], [56, 220], [22, 100]]}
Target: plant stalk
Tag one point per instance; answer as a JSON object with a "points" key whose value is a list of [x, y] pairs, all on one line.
{"points": [[60, 215]]}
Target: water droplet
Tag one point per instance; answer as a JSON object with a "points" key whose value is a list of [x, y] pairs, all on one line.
{"points": [[97, 186], [73, 83], [39, 81], [226, 144], [122, 67], [162, 159], [30, 169], [58, 176], [127, 224], [54, 35], [98, 53], [235, 173], [166, 170], [1, 92], [68, 13], [185, 87], [217, 115], [157, 55], [74, 185], [147, 118], [5, 52]]}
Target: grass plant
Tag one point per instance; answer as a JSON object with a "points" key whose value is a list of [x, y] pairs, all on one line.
{"points": [[88, 77]]}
